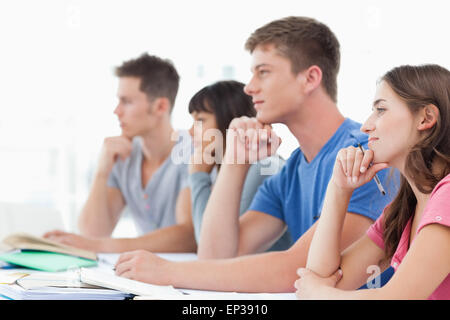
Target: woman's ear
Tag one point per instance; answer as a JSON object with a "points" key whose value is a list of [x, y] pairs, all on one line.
{"points": [[428, 117]]}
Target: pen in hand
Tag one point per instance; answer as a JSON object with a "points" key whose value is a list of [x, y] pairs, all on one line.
{"points": [[377, 180]]}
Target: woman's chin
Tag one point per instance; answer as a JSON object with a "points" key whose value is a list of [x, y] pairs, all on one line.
{"points": [[380, 159]]}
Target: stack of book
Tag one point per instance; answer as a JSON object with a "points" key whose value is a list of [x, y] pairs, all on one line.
{"points": [[46, 270]]}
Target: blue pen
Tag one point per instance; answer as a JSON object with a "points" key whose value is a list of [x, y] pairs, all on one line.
{"points": [[377, 180]]}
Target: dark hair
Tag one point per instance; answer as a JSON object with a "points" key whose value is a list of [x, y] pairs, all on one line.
{"points": [[226, 100], [159, 78], [419, 86], [305, 42]]}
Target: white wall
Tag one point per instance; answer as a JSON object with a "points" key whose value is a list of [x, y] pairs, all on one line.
{"points": [[57, 89]]}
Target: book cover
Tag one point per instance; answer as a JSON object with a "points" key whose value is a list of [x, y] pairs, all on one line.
{"points": [[26, 241]]}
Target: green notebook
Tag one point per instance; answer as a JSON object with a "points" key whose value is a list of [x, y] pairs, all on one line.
{"points": [[46, 261]]}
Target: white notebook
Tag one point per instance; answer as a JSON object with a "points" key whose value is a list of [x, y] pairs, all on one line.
{"points": [[16, 292], [107, 279]]}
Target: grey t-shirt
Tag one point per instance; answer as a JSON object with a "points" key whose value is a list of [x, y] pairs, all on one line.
{"points": [[153, 207]]}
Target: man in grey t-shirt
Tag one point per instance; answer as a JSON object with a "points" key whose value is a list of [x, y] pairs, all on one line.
{"points": [[140, 169], [151, 206]]}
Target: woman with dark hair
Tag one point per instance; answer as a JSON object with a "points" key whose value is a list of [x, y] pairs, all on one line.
{"points": [[212, 109], [409, 129]]}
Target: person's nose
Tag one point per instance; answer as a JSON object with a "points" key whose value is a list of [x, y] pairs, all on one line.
{"points": [[118, 110], [251, 87], [368, 126]]}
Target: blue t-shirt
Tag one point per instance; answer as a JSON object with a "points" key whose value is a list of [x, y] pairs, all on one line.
{"points": [[296, 194]]}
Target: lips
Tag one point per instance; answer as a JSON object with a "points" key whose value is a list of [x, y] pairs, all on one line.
{"points": [[372, 140], [257, 103]]}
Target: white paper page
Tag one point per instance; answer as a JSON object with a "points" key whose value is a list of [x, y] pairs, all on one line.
{"points": [[16, 292], [107, 278], [111, 260]]}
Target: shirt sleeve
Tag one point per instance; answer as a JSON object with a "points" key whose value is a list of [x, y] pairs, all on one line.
{"points": [[180, 156], [437, 209], [113, 180], [375, 232], [184, 183], [255, 177], [200, 183]]}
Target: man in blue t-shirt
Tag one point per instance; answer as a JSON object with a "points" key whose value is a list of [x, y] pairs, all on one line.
{"points": [[296, 195], [295, 62]]}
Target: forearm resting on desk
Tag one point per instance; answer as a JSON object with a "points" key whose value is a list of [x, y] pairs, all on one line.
{"points": [[176, 238], [268, 272]]}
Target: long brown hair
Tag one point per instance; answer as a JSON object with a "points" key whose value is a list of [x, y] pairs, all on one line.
{"points": [[419, 86]]}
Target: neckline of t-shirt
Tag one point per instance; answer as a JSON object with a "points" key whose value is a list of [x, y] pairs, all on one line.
{"points": [[158, 171], [330, 141]]}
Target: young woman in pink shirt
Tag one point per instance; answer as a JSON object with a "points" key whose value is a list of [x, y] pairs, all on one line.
{"points": [[409, 129]]}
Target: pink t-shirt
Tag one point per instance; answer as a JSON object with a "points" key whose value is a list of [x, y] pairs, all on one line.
{"points": [[437, 210]]}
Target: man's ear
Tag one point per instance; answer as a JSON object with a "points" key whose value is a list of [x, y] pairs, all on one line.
{"points": [[310, 78], [160, 106], [428, 117]]}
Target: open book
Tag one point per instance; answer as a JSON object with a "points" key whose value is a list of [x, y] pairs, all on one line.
{"points": [[29, 242], [107, 279]]}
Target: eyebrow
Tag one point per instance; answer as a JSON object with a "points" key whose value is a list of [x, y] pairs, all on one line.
{"points": [[377, 101], [259, 66], [124, 98]]}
